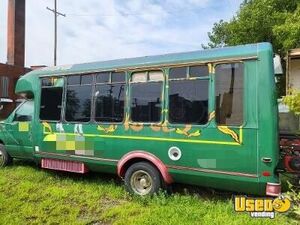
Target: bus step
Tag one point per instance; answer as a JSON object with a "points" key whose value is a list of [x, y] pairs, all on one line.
{"points": [[62, 165]]}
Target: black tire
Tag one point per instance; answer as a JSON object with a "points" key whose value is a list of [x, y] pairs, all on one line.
{"points": [[5, 158], [143, 178]]}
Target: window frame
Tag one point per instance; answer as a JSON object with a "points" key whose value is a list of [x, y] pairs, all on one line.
{"points": [[62, 98], [188, 77], [94, 98], [162, 96], [243, 124]]}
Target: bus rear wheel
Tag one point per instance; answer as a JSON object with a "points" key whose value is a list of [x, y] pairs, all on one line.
{"points": [[142, 178], [5, 158]]}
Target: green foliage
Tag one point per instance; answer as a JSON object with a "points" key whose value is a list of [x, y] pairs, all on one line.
{"points": [[31, 196], [289, 32], [274, 21], [292, 100], [219, 35], [294, 195]]}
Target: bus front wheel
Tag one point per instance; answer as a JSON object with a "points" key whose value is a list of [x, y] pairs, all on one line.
{"points": [[5, 158], [142, 178]]}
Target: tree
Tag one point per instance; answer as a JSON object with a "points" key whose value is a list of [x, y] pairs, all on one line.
{"points": [[275, 21], [288, 33], [292, 100], [259, 21]]}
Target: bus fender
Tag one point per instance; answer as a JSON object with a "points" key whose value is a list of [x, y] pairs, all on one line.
{"points": [[142, 155]]}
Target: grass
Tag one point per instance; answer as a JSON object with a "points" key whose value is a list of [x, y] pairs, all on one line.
{"points": [[29, 195]]}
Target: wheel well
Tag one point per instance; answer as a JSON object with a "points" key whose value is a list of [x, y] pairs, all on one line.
{"points": [[1, 142], [135, 160], [141, 156]]}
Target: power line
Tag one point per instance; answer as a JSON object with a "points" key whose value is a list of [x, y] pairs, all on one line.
{"points": [[56, 14]]}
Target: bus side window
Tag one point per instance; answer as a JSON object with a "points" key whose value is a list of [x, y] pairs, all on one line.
{"points": [[146, 96], [110, 97], [51, 99], [229, 89], [79, 98], [188, 95], [24, 112]]}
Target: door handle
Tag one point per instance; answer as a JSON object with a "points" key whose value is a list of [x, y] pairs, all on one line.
{"points": [[266, 160]]}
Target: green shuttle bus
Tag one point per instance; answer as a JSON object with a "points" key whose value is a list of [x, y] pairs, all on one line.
{"points": [[206, 118]]}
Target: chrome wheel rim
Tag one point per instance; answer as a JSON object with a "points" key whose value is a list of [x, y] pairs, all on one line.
{"points": [[141, 182], [1, 159]]}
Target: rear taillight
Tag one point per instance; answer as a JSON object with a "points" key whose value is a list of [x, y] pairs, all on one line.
{"points": [[273, 189]]}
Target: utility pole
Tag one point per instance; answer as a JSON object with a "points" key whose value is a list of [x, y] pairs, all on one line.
{"points": [[56, 14]]}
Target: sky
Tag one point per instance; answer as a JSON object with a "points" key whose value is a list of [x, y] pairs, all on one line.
{"points": [[96, 30]]}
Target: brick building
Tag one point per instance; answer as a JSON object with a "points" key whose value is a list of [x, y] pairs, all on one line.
{"points": [[14, 67]]}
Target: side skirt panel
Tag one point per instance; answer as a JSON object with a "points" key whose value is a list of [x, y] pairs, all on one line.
{"points": [[62, 165]]}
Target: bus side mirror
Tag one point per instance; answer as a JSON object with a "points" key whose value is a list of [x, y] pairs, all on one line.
{"points": [[3, 104]]}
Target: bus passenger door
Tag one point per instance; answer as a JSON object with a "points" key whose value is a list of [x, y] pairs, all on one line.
{"points": [[65, 116], [20, 131], [49, 115]]}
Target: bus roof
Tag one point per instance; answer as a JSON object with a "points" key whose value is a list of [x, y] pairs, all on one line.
{"points": [[242, 51]]}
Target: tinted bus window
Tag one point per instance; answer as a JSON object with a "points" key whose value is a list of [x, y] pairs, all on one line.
{"points": [[110, 95], [188, 98], [51, 100], [86, 79], [109, 102], [103, 77], [229, 89], [73, 80], [178, 72], [198, 71], [78, 101], [118, 77], [145, 98], [188, 101]]}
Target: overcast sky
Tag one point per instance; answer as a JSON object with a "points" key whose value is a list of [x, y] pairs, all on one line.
{"points": [[96, 30]]}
